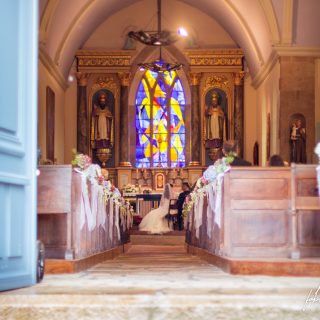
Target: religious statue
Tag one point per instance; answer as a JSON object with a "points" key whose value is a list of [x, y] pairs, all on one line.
{"points": [[102, 124], [215, 127], [215, 124], [102, 129], [298, 142]]}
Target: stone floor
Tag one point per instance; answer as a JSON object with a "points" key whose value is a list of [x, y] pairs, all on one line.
{"points": [[162, 282]]}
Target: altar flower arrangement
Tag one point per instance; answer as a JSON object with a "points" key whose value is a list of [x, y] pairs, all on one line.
{"points": [[81, 161], [129, 188], [209, 178]]}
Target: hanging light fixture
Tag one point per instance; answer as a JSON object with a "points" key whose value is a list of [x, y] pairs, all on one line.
{"points": [[158, 38]]}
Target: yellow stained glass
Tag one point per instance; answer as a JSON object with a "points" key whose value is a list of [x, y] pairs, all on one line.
{"points": [[169, 78], [151, 79], [147, 150], [158, 92], [173, 154]]}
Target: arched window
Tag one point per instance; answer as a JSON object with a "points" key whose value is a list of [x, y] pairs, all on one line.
{"points": [[160, 125]]}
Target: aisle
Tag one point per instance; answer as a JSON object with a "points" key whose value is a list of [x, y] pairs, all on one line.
{"points": [[160, 282]]}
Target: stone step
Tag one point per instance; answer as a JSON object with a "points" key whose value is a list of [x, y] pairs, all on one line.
{"points": [[162, 282], [163, 240]]}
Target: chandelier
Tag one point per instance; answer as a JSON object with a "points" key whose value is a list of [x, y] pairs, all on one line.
{"points": [[158, 38], [160, 65]]}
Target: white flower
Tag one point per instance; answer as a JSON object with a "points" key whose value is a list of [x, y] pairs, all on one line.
{"points": [[317, 150], [210, 174]]}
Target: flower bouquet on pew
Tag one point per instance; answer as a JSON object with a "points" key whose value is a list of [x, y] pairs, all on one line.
{"points": [[92, 172], [80, 160], [209, 178]]}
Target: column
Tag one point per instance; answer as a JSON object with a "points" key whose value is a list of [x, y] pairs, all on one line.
{"points": [[238, 110], [82, 114], [124, 125], [195, 120]]}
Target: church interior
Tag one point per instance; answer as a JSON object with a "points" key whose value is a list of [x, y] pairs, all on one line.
{"points": [[135, 95]]}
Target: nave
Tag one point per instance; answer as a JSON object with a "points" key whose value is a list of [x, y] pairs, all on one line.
{"points": [[160, 282]]}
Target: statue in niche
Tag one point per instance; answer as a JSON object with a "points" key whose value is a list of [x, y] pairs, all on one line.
{"points": [[298, 142], [215, 123], [102, 128], [102, 124], [215, 127]]}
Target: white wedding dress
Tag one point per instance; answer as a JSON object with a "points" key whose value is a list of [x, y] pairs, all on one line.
{"points": [[155, 222]]}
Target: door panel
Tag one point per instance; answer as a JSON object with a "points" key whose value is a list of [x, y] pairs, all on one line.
{"points": [[18, 122]]}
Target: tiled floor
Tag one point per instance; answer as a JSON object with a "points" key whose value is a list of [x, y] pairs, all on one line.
{"points": [[161, 282]]}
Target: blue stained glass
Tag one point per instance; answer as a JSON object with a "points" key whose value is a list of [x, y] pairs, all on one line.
{"points": [[143, 163], [161, 101], [178, 86], [179, 97], [178, 93], [143, 110], [154, 74], [143, 126]]}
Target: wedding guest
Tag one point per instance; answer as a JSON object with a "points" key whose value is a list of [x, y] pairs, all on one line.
{"points": [[180, 202], [230, 148], [276, 161]]}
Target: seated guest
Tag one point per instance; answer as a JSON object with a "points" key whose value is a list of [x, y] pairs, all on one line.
{"points": [[180, 202], [276, 161], [230, 147]]}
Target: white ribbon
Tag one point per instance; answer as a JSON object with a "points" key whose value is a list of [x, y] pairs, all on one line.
{"points": [[101, 215], [86, 209], [218, 202], [211, 196], [117, 221], [110, 219], [94, 203], [198, 211]]}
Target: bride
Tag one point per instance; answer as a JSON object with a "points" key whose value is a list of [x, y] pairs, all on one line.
{"points": [[155, 221]]}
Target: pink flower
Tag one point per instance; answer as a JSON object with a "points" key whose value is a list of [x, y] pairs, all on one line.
{"points": [[100, 179], [203, 180]]}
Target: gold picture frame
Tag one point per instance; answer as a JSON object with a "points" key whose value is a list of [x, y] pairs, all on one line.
{"points": [[159, 181]]}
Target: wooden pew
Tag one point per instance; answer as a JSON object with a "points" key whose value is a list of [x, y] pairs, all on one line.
{"points": [[59, 198], [305, 210], [266, 213], [256, 212]]}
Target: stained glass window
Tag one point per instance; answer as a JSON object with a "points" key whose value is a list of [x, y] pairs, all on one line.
{"points": [[160, 126]]}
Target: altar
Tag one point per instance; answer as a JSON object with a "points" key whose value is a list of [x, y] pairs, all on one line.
{"points": [[143, 202]]}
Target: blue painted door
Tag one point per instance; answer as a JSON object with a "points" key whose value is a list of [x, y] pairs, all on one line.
{"points": [[18, 126]]}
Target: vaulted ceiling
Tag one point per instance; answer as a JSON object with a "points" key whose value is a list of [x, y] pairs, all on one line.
{"points": [[257, 26]]}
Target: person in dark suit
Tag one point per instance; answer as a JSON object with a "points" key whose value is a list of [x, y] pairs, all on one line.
{"points": [[230, 147], [276, 161], [180, 202]]}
